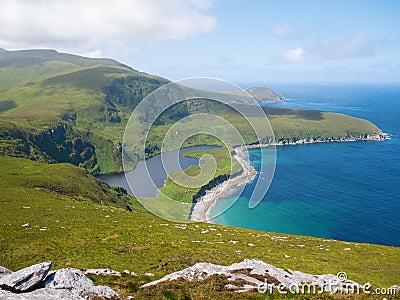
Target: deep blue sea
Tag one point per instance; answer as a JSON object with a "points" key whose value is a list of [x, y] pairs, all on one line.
{"points": [[345, 191]]}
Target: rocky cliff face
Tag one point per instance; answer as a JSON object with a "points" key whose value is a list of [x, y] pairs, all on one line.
{"points": [[59, 143], [62, 144]]}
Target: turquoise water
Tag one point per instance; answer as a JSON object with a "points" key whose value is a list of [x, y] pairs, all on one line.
{"points": [[345, 191]]}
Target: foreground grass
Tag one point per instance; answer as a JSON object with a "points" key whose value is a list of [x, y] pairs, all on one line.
{"points": [[72, 230]]}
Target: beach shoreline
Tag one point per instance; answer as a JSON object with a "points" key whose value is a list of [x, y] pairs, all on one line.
{"points": [[203, 205], [200, 211]]}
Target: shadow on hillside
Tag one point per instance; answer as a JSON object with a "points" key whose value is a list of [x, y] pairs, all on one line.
{"points": [[314, 115], [7, 105]]}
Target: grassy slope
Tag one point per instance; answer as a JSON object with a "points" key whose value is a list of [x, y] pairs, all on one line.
{"points": [[19, 67], [45, 88], [312, 123], [76, 96], [85, 234], [286, 124]]}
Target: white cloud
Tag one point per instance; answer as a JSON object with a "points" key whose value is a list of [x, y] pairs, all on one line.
{"points": [[294, 55], [357, 46], [281, 29], [94, 24]]}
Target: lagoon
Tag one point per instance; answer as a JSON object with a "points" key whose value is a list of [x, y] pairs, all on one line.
{"points": [[153, 170]]}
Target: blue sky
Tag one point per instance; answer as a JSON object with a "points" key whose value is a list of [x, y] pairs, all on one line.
{"points": [[288, 41], [234, 40]]}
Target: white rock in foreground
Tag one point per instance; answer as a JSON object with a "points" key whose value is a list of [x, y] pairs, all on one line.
{"points": [[37, 283], [102, 272], [76, 281], [25, 279], [274, 275], [40, 294]]}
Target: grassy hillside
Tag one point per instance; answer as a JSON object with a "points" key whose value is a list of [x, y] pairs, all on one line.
{"points": [[57, 107], [286, 123], [24, 178], [74, 222], [92, 98], [19, 67]]}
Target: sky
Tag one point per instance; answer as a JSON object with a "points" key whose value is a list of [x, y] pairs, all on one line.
{"points": [[235, 40]]}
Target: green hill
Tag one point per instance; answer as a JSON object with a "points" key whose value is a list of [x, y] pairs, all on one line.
{"points": [[75, 114], [19, 67], [57, 107], [78, 221]]}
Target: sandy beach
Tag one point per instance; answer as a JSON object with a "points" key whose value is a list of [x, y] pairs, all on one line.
{"points": [[203, 205]]}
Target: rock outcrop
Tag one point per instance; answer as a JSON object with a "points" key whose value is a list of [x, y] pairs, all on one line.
{"points": [[40, 294], [256, 274], [103, 272], [26, 279], [36, 282], [78, 284]]}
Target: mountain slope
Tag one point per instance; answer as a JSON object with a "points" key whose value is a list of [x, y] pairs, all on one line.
{"points": [[18, 67], [83, 109], [58, 107]]}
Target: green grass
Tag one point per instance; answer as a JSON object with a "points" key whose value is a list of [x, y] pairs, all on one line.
{"points": [[305, 123], [95, 97], [216, 162], [285, 123], [76, 97], [19, 67], [64, 180], [84, 234]]}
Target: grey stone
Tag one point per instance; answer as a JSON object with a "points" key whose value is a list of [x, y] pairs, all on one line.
{"points": [[79, 285], [69, 278], [102, 272], [130, 273], [26, 279], [286, 278], [40, 294]]}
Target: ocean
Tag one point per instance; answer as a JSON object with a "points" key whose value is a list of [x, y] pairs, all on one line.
{"points": [[344, 191]]}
